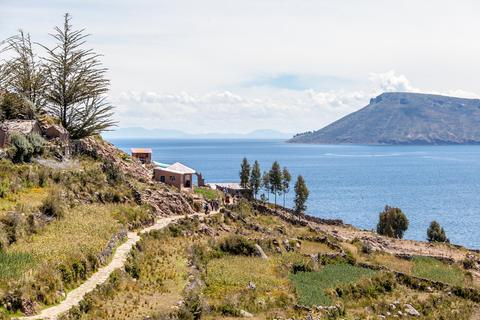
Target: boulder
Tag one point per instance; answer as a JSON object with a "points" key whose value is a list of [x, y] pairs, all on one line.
{"points": [[410, 310]]}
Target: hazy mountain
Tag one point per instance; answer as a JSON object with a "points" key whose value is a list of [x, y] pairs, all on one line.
{"points": [[404, 118], [143, 133]]}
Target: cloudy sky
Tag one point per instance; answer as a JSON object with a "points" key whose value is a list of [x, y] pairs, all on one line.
{"points": [[290, 65]]}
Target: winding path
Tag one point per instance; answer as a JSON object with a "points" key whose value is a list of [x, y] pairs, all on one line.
{"points": [[118, 261]]}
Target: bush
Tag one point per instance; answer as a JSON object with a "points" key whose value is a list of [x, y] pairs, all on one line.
{"points": [[4, 187], [113, 174], [53, 205], [13, 106], [134, 216], [37, 142], [435, 233], [192, 307], [301, 267], [392, 222], [238, 245], [12, 226], [22, 148]]}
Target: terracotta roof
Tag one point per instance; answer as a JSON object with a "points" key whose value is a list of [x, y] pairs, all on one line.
{"points": [[23, 126], [141, 150], [179, 168]]}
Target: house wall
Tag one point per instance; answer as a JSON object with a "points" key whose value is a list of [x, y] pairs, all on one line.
{"points": [[174, 179]]}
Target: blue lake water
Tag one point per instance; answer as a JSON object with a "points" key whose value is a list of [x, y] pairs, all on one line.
{"points": [[354, 183]]}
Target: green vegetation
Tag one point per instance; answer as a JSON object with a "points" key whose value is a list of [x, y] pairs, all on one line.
{"points": [[244, 173], [311, 286], [392, 222], [68, 84], [157, 275], [301, 195], [435, 233], [238, 245], [433, 269], [14, 264], [256, 178], [208, 193]]}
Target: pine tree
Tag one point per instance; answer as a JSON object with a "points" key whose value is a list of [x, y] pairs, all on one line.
{"points": [[301, 195], [286, 178], [276, 179], [76, 84], [244, 173], [266, 183], [256, 178]]}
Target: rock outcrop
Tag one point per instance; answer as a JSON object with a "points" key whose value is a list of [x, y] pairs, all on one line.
{"points": [[166, 201]]}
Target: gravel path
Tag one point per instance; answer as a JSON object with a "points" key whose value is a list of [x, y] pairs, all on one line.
{"points": [[118, 261]]}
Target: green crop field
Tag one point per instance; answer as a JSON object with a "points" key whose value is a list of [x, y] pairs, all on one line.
{"points": [[14, 264], [433, 269], [311, 286]]}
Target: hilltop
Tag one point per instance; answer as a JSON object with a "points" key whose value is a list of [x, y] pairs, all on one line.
{"points": [[404, 118]]}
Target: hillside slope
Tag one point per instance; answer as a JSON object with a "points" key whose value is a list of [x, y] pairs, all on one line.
{"points": [[404, 118]]}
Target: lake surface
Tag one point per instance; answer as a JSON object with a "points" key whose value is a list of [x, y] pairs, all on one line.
{"points": [[353, 183]]}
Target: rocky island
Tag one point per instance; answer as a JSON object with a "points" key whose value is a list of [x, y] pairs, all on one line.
{"points": [[401, 118]]}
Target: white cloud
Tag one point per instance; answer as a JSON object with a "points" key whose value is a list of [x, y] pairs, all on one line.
{"points": [[259, 108], [391, 82]]}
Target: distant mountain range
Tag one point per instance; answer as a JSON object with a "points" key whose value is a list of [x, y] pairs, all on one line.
{"points": [[404, 118], [144, 133]]}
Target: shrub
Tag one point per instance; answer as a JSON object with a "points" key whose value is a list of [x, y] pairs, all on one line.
{"points": [[4, 187], [134, 216], [113, 174], [37, 142], [301, 267], [392, 222], [12, 225], [238, 245], [469, 264], [53, 205], [13, 106], [435, 233], [192, 307], [22, 148]]}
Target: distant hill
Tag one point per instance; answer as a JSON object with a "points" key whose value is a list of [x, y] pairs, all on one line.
{"points": [[404, 118], [143, 133]]}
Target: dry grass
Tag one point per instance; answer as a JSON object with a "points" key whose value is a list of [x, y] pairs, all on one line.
{"points": [[391, 262], [30, 199], [310, 247], [162, 263], [85, 229]]}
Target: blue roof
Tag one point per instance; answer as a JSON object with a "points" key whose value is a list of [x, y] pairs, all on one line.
{"points": [[161, 165]]}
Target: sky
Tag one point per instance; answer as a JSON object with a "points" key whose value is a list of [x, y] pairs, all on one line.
{"points": [[288, 65]]}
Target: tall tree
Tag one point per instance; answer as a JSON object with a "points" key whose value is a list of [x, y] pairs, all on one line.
{"points": [[76, 84], [24, 73], [266, 183], [276, 179], [255, 178], [286, 178], [244, 173], [301, 195]]}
